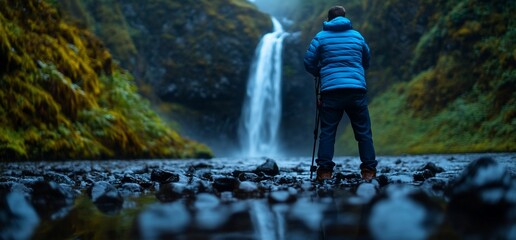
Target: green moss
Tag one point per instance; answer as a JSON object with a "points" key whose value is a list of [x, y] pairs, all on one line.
{"points": [[459, 95], [66, 98]]}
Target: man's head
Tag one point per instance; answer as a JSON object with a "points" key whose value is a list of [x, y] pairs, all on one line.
{"points": [[336, 11]]}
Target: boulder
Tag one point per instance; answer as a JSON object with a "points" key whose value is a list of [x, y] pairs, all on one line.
{"points": [[403, 212], [170, 192], [225, 183], [269, 167], [163, 176], [483, 200], [18, 219], [106, 197], [52, 200]]}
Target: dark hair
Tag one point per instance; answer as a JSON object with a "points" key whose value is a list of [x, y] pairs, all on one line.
{"points": [[336, 11]]}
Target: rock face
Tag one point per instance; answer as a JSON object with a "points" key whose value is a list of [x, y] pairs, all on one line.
{"points": [[193, 53], [68, 99]]}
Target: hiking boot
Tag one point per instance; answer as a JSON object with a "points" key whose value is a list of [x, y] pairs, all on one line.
{"points": [[324, 174], [368, 174]]}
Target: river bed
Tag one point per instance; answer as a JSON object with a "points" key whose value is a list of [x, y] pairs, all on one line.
{"points": [[413, 197]]}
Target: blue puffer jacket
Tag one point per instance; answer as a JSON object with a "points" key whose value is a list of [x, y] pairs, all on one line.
{"points": [[339, 55]]}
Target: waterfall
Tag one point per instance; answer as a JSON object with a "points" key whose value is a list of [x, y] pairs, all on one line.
{"points": [[261, 112]]}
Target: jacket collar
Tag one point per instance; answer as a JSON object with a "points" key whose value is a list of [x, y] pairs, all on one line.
{"points": [[337, 24]]}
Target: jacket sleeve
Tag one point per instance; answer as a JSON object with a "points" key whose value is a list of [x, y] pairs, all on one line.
{"points": [[366, 55], [311, 59]]}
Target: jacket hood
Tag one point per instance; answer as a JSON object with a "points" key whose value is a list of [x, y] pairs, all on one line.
{"points": [[337, 24]]}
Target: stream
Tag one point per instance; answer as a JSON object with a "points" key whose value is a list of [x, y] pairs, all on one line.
{"points": [[414, 197]]}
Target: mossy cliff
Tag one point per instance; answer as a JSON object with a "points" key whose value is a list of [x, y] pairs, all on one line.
{"points": [[442, 77], [193, 56], [62, 97]]}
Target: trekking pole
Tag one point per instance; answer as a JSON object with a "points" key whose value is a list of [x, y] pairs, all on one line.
{"points": [[316, 128]]}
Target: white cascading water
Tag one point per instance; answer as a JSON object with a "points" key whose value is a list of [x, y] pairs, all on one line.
{"points": [[261, 112]]}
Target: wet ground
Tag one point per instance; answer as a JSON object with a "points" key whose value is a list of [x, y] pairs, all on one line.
{"points": [[413, 197]]}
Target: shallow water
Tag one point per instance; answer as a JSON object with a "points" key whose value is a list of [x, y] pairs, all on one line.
{"points": [[284, 206]]}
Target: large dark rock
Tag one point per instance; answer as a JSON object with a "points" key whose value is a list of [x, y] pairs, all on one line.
{"points": [[483, 200], [163, 176], [225, 183], [248, 176], [431, 167], [429, 170], [170, 192], [269, 167], [423, 175], [18, 219], [52, 200], [106, 197], [58, 178]]}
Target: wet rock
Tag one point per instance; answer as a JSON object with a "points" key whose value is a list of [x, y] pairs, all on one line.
{"points": [[347, 176], [128, 178], [130, 189], [382, 180], [210, 214], [308, 213], [106, 197], [225, 183], [170, 192], [403, 212], [367, 190], [201, 165], [239, 220], [162, 221], [483, 200], [58, 178], [434, 187], [285, 180], [269, 167], [139, 179], [385, 170], [18, 219], [163, 176], [51, 200], [8, 187], [247, 176], [432, 167], [423, 175], [247, 189], [282, 197]]}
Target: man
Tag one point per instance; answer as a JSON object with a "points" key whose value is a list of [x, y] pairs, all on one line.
{"points": [[339, 55]]}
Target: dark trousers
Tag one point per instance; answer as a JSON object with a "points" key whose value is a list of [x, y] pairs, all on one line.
{"points": [[334, 104]]}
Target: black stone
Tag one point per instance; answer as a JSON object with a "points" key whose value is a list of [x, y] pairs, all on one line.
{"points": [[163, 176], [223, 184], [51, 200], [423, 175], [106, 197], [170, 192], [432, 167], [269, 167], [478, 204]]}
